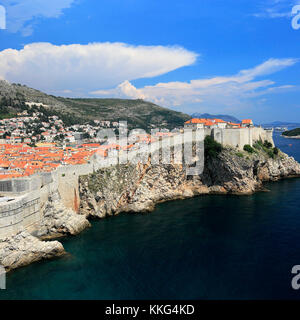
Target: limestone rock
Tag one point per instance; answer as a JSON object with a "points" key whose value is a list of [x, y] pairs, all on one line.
{"points": [[137, 188], [58, 220], [23, 249]]}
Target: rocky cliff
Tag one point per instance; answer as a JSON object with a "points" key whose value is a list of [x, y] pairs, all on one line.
{"points": [[23, 249], [137, 188], [58, 220], [28, 246]]}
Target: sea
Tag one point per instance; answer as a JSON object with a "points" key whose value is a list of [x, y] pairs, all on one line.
{"points": [[209, 247]]}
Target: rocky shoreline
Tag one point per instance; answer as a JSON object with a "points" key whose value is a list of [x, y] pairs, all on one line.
{"points": [[29, 246], [130, 188], [138, 188], [23, 248]]}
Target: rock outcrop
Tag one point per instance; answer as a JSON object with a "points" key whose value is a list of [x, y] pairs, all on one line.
{"points": [[27, 247], [137, 188], [58, 220], [23, 249]]}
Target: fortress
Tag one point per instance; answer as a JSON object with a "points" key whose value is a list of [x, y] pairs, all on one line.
{"points": [[238, 138], [23, 200]]}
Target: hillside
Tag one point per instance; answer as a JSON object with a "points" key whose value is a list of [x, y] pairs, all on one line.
{"points": [[138, 113], [274, 124], [292, 133], [224, 117]]}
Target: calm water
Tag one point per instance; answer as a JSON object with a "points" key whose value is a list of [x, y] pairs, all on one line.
{"points": [[211, 247]]}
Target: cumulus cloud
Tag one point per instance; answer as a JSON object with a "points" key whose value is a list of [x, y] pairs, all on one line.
{"points": [[84, 68], [235, 90], [21, 13]]}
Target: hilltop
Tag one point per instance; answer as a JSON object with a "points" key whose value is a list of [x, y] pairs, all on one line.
{"points": [[138, 113], [274, 124], [224, 117]]}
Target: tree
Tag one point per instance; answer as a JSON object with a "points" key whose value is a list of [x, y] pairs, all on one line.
{"points": [[86, 135], [248, 148], [212, 148], [268, 144]]}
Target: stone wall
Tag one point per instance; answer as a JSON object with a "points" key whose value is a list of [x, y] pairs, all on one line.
{"points": [[238, 138], [19, 212], [29, 195]]}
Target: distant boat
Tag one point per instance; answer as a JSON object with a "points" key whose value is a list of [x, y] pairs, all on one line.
{"points": [[290, 145]]}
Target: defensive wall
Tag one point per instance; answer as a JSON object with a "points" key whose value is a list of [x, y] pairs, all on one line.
{"points": [[238, 138], [22, 200]]}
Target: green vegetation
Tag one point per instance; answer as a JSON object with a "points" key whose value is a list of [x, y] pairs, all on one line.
{"points": [[292, 133], [248, 148], [268, 148], [240, 154], [211, 147], [258, 145], [138, 113], [268, 144]]}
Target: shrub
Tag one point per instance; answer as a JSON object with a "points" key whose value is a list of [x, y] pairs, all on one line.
{"points": [[240, 155], [248, 148], [270, 153], [258, 145], [212, 148], [268, 144], [275, 151]]}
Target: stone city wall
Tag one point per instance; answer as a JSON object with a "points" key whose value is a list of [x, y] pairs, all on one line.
{"points": [[28, 195]]}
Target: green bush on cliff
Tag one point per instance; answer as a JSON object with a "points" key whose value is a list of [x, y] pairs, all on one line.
{"points": [[258, 145], [268, 145], [248, 148], [212, 148], [270, 153]]}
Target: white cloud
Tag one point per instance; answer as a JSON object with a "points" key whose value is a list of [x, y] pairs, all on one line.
{"points": [[84, 68], [236, 90], [274, 9], [21, 13]]}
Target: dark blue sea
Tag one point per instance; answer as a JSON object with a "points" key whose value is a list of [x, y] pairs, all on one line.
{"points": [[210, 247]]}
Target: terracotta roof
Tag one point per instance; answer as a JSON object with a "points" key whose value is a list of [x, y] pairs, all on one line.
{"points": [[247, 121]]}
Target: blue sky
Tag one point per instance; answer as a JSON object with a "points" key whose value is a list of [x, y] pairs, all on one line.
{"points": [[234, 57]]}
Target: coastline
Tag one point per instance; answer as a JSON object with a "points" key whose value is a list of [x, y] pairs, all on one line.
{"points": [[137, 189], [291, 137]]}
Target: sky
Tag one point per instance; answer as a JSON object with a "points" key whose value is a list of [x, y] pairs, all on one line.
{"points": [[236, 57]]}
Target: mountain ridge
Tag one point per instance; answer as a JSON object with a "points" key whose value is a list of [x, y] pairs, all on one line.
{"points": [[224, 117], [281, 123], [138, 113]]}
